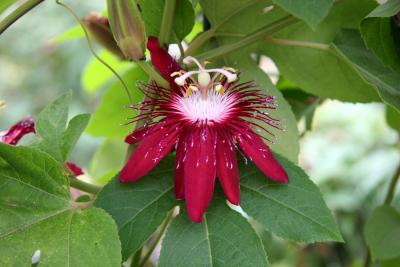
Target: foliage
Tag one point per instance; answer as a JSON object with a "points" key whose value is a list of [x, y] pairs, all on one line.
{"points": [[343, 50]]}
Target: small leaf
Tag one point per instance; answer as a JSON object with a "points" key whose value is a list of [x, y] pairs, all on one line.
{"points": [[350, 43], [53, 138], [379, 33], [113, 110], [294, 210], [37, 214], [139, 208], [382, 233], [75, 32], [312, 12], [224, 238]]}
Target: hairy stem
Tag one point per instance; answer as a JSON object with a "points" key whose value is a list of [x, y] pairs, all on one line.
{"points": [[84, 186], [249, 39], [167, 22], [205, 36], [17, 13], [298, 43], [158, 237]]}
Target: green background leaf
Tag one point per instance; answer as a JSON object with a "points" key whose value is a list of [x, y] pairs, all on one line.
{"points": [[382, 233], [5, 4], [113, 109], [224, 238], [294, 210], [152, 11], [139, 208], [310, 11], [323, 71], [387, 81], [379, 33]]}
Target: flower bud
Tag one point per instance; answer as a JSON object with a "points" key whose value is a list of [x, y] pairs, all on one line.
{"points": [[99, 27], [127, 27]]}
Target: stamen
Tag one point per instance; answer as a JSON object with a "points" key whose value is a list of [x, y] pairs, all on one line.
{"points": [[220, 89], [191, 89]]}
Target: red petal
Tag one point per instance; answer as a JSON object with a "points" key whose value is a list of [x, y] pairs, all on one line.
{"points": [[253, 145], [200, 172], [227, 169], [18, 130], [179, 181], [76, 170], [163, 62], [149, 152], [137, 135]]}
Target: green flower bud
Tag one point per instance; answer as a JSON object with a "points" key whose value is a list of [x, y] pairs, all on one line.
{"points": [[127, 27], [99, 28]]}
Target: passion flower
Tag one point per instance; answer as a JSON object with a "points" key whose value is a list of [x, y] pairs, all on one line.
{"points": [[206, 120]]}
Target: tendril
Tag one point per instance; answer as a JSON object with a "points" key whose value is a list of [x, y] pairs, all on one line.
{"points": [[90, 45]]}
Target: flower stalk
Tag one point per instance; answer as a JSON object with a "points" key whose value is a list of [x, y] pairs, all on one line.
{"points": [[167, 22], [249, 39], [17, 13], [83, 186]]}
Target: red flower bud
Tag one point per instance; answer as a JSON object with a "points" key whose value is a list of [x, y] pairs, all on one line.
{"points": [[99, 27], [18, 130]]}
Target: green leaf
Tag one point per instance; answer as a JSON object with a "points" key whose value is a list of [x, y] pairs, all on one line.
{"points": [[312, 12], [393, 118], [387, 81], [382, 233], [378, 31], [139, 208], [53, 136], [4, 4], [152, 12], [37, 214], [391, 263], [107, 160], [96, 75], [306, 58], [113, 110], [75, 32], [224, 238], [294, 210]]}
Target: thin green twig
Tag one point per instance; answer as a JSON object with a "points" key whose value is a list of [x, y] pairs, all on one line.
{"points": [[17, 13], [92, 49], [167, 22]]}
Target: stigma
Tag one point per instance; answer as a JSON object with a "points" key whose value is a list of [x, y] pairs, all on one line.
{"points": [[215, 79]]}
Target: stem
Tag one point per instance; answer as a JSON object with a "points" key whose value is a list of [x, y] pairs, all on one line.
{"points": [[297, 43], [392, 187], [84, 186], [388, 199], [249, 39], [17, 13], [199, 41], [167, 21], [152, 73], [205, 36], [136, 258], [158, 237]]}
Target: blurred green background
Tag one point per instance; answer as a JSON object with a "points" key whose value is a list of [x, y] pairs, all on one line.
{"points": [[350, 152]]}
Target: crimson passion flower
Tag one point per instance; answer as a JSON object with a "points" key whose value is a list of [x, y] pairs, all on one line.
{"points": [[206, 120]]}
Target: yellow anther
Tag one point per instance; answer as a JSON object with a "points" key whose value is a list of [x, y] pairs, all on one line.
{"points": [[191, 89], [220, 89]]}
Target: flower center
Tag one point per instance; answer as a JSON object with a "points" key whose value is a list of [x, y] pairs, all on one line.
{"points": [[213, 108]]}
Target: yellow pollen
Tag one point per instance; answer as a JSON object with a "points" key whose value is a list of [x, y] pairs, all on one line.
{"points": [[220, 89], [190, 89]]}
